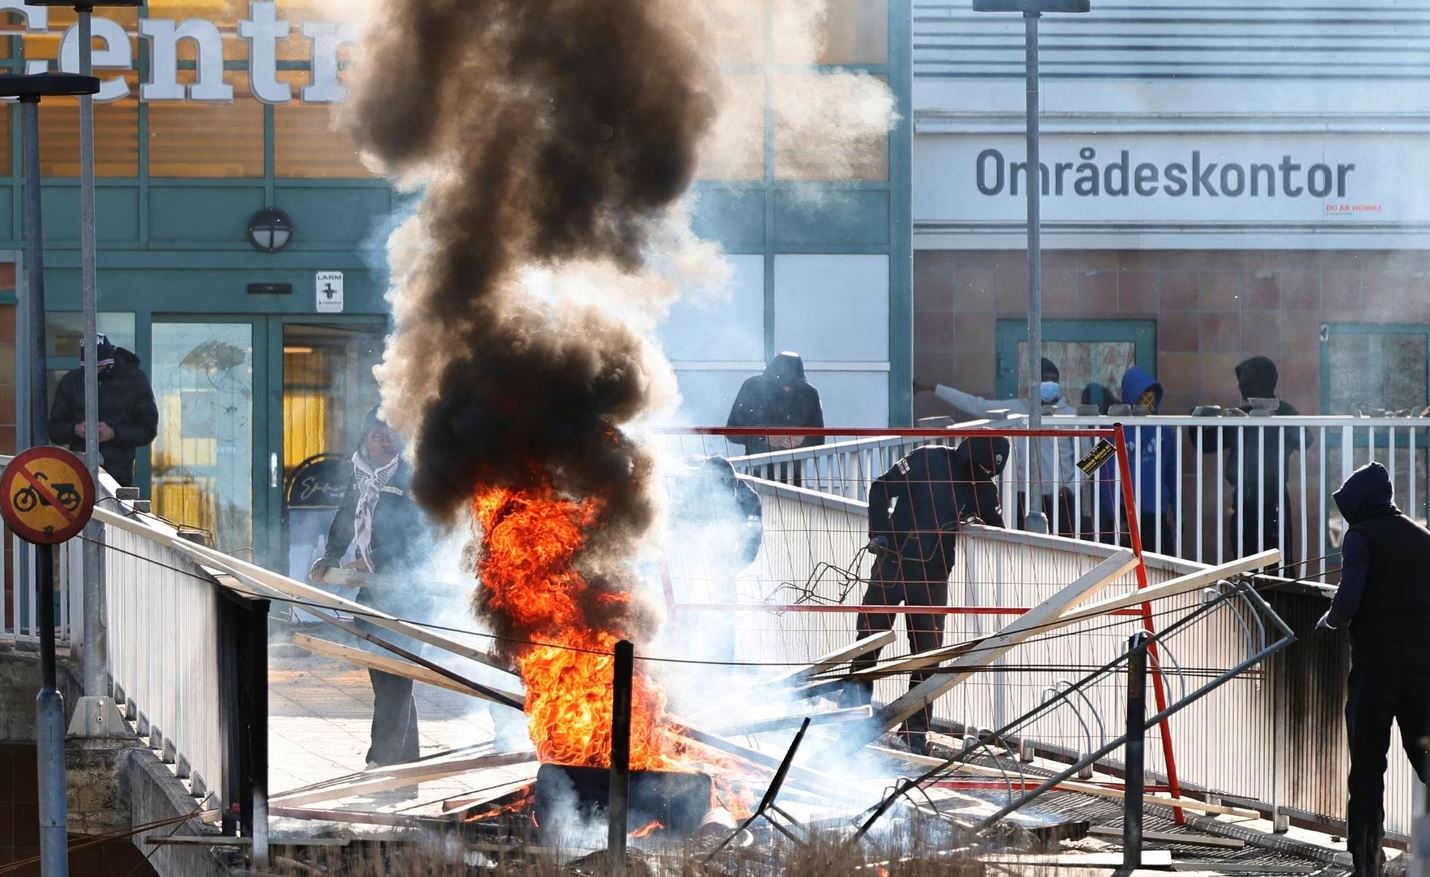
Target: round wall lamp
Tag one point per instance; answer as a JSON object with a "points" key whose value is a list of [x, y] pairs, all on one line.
{"points": [[270, 229]]}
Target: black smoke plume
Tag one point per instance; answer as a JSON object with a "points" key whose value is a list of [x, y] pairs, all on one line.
{"points": [[539, 133]]}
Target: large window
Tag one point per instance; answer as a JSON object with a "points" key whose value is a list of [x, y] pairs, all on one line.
{"points": [[1085, 352], [1366, 369]]}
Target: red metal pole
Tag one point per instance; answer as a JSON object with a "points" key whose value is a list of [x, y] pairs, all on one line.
{"points": [[1159, 689]]}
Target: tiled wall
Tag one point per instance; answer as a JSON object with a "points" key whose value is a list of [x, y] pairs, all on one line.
{"points": [[1212, 309]]}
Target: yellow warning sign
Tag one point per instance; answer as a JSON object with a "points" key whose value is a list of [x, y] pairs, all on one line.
{"points": [[46, 495]]}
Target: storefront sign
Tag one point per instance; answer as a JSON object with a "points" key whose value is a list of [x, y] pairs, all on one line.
{"points": [[1131, 179], [262, 30], [330, 292]]}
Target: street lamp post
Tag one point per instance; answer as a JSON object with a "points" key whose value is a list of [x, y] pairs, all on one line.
{"points": [[1032, 10], [49, 705], [93, 655]]}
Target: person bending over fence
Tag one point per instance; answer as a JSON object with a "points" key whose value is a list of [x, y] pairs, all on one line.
{"points": [[915, 510]]}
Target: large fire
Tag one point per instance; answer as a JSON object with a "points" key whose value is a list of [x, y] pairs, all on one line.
{"points": [[530, 539]]}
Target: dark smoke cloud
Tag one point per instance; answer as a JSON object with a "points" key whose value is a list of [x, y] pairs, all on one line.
{"points": [[540, 132]]}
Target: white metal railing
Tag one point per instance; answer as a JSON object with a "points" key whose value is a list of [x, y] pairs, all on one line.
{"points": [[1201, 491], [163, 639], [1237, 741]]}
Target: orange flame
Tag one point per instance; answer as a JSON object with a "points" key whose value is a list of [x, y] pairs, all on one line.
{"points": [[649, 828], [529, 541]]}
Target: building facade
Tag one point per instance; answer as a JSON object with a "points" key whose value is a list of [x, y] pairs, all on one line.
{"points": [[1218, 184], [259, 337]]}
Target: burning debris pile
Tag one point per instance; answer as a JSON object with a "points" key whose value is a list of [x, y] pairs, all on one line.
{"points": [[550, 142]]}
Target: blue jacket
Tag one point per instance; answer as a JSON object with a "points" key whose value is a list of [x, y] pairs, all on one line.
{"points": [[1142, 451]]}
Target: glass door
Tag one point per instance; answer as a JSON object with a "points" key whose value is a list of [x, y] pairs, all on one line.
{"points": [[258, 421], [206, 378], [326, 388]]}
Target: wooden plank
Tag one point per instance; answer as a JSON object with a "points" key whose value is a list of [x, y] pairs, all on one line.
{"points": [[1246, 868], [837, 657], [396, 776], [1070, 785], [991, 648], [1174, 587], [1197, 840], [398, 667], [853, 714], [1150, 859], [464, 803]]}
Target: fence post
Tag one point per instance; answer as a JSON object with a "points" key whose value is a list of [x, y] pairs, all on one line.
{"points": [[1136, 734], [618, 802], [243, 718]]}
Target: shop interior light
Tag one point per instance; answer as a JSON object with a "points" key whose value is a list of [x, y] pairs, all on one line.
{"points": [[270, 229]]}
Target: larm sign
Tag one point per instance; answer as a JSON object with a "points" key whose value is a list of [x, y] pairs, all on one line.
{"points": [[262, 30]]}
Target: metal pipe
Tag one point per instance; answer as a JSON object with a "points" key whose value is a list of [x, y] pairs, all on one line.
{"points": [[1035, 521], [50, 729], [35, 273], [93, 656], [49, 705], [1134, 759], [618, 806]]}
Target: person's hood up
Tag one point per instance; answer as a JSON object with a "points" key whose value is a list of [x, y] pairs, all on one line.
{"points": [[1050, 370], [126, 358], [989, 453], [786, 368], [1099, 395], [1256, 377], [1367, 493], [1138, 381]]}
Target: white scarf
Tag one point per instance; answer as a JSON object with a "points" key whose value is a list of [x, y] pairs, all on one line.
{"points": [[369, 481]]}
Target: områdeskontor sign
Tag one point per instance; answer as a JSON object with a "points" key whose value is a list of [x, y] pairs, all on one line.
{"points": [[1194, 178], [262, 30]]}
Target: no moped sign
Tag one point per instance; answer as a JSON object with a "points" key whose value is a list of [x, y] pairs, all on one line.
{"points": [[46, 495]]}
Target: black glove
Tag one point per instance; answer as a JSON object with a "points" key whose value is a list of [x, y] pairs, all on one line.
{"points": [[878, 545]]}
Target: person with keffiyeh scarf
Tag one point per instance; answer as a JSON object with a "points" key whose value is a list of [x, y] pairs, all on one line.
{"points": [[380, 526]]}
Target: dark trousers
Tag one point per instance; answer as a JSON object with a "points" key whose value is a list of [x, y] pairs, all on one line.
{"points": [[898, 582], [1066, 519], [1149, 526], [394, 719], [1378, 695]]}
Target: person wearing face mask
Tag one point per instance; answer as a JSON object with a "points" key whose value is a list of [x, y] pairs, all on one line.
{"points": [[1060, 476], [381, 530], [1257, 463], [128, 416]]}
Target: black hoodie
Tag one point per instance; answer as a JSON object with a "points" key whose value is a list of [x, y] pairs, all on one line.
{"points": [[780, 397], [1256, 378], [126, 403], [1385, 575]]}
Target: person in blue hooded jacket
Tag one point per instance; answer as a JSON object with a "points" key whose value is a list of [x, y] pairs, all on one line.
{"points": [[1152, 457], [1384, 597]]}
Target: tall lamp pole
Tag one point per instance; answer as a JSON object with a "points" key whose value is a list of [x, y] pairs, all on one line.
{"points": [[1032, 10], [93, 655], [49, 705]]}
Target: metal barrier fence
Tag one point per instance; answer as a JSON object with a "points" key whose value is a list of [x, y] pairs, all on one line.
{"points": [[1273, 735], [1208, 488]]}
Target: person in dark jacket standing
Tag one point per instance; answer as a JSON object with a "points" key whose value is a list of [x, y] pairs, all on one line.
{"points": [[915, 510], [1384, 597], [128, 417], [1259, 461], [780, 397], [386, 532]]}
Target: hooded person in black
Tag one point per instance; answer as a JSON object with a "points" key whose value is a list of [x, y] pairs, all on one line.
{"points": [[1384, 597], [128, 417], [780, 397], [382, 525], [1260, 464], [915, 510]]}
